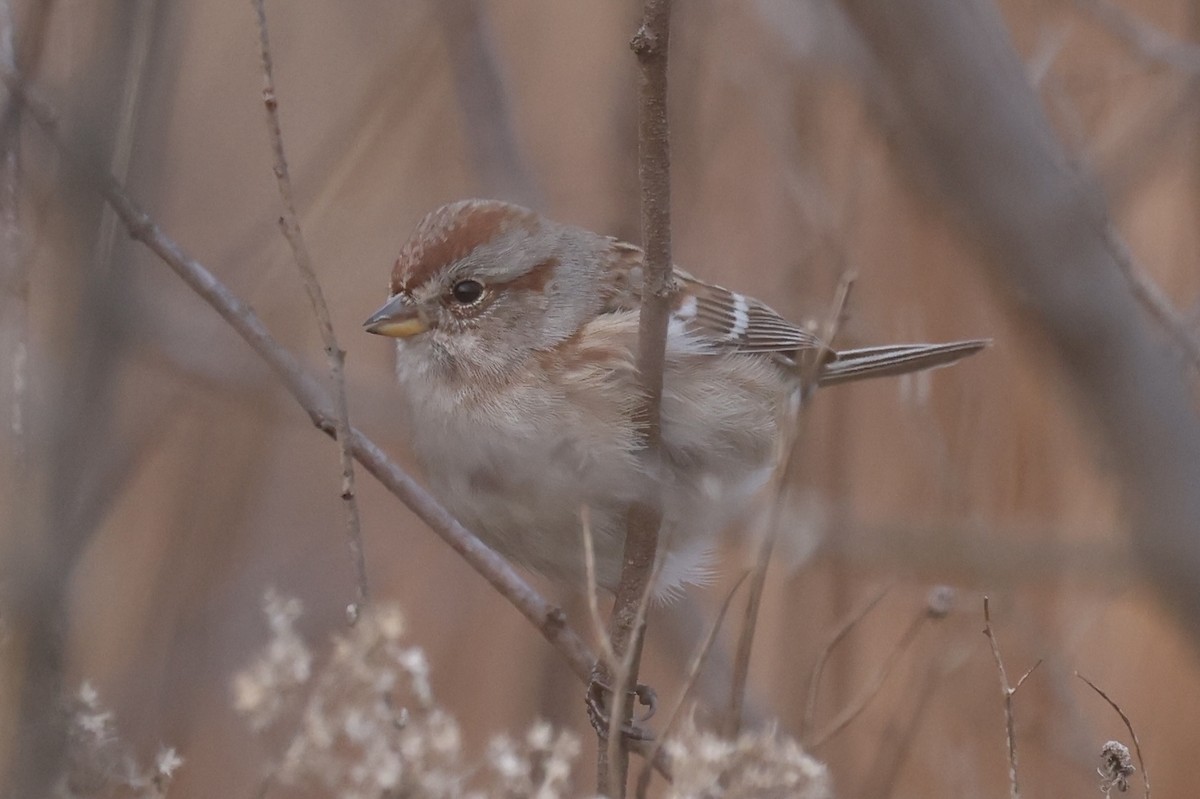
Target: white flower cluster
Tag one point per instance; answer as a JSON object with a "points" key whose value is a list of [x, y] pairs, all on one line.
{"points": [[758, 765], [365, 724], [539, 768], [262, 691], [100, 764]]}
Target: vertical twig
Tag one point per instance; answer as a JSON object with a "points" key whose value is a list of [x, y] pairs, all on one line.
{"points": [[814, 682], [14, 275], [140, 39], [938, 604], [1007, 689], [1152, 297], [689, 681], [289, 223], [808, 374], [38, 595], [1137, 745], [650, 45], [488, 128], [593, 591]]}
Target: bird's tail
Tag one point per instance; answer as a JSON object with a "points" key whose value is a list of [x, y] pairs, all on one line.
{"points": [[895, 359]]}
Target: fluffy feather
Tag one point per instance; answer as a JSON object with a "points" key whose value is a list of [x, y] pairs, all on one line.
{"points": [[521, 401]]}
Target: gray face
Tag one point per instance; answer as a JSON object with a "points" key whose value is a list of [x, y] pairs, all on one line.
{"points": [[494, 284]]}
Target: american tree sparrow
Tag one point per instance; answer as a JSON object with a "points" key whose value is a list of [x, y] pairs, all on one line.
{"points": [[516, 360]]}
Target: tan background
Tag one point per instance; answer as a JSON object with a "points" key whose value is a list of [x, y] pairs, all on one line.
{"points": [[202, 484]]}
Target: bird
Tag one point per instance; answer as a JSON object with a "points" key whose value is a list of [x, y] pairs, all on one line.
{"points": [[516, 348]]}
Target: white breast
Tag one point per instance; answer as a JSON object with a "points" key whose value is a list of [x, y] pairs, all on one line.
{"points": [[516, 463]]}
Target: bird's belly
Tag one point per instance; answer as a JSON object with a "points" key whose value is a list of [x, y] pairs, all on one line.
{"points": [[519, 474], [523, 494]]}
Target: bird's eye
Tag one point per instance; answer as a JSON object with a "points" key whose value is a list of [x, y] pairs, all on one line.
{"points": [[466, 292]]}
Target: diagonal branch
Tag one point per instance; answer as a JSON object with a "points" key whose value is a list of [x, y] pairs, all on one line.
{"points": [[976, 135], [314, 399], [1148, 42]]}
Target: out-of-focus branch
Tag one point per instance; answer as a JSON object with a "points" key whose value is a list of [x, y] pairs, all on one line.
{"points": [[1156, 47], [814, 680], [487, 125], [1005, 555], [808, 377], [14, 269], [335, 355], [939, 603], [650, 44], [315, 400], [1147, 41], [690, 677], [1153, 298], [48, 551], [974, 133]]}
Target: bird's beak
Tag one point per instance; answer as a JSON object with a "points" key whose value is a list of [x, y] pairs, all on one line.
{"points": [[398, 319]]}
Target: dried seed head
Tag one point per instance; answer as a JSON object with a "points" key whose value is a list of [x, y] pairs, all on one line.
{"points": [[1116, 767]]}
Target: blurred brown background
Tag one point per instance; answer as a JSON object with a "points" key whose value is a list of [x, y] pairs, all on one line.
{"points": [[160, 480]]}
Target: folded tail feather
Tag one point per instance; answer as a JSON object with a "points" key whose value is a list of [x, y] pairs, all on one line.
{"points": [[894, 359]]}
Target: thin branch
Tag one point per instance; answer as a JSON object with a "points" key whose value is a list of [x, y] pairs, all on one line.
{"points": [[37, 599], [14, 274], [899, 741], [488, 129], [814, 682], [315, 401], [624, 680], [1137, 745], [689, 681], [1152, 297], [852, 711], [974, 133], [289, 223], [1149, 42], [808, 377], [589, 568], [1007, 690], [650, 44]]}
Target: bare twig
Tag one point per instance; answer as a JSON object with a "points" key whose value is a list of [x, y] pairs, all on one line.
{"points": [[650, 44], [624, 680], [487, 125], [843, 629], [1007, 689], [689, 681], [289, 223], [1137, 745], [589, 568], [1149, 42], [315, 401], [38, 597], [14, 272], [975, 134], [1151, 295], [899, 740], [933, 610], [141, 37], [808, 378]]}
